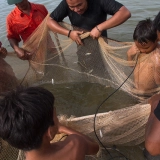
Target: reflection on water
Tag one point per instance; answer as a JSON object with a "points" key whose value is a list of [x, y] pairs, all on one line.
{"points": [[139, 10]]}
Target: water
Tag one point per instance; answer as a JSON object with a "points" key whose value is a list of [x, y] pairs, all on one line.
{"points": [[140, 9], [81, 99], [83, 96]]}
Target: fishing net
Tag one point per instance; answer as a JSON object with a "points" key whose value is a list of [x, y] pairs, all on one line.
{"points": [[57, 60]]}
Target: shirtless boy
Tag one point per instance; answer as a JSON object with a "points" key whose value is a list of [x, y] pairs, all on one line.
{"points": [[147, 70], [28, 121]]}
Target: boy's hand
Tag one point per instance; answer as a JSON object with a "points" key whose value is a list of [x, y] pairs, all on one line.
{"points": [[135, 49], [3, 52], [132, 52]]}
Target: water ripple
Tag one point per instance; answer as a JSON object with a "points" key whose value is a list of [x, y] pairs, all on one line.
{"points": [[140, 9]]}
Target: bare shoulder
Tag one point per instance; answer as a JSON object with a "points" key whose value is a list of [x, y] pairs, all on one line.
{"points": [[75, 147], [75, 139]]}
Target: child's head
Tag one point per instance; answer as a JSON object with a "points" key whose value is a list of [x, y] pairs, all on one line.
{"points": [[25, 116], [145, 36], [157, 24]]}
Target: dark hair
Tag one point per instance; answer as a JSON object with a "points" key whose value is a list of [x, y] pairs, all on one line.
{"points": [[25, 115], [145, 32], [156, 22]]}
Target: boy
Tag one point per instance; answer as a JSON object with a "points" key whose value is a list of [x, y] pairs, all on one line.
{"points": [[147, 70], [28, 122]]}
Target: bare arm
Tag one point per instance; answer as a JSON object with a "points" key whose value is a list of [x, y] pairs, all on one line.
{"points": [[22, 54], [152, 140], [132, 52], [153, 101], [90, 147], [118, 18], [157, 75], [55, 27], [157, 66]]}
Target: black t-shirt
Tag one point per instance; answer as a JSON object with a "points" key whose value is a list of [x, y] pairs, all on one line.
{"points": [[157, 111], [95, 14]]}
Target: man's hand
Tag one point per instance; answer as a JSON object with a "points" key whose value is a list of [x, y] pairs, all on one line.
{"points": [[74, 35], [3, 52], [22, 54], [95, 32]]}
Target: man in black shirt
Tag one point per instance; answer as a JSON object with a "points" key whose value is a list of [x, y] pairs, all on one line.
{"points": [[90, 15]]}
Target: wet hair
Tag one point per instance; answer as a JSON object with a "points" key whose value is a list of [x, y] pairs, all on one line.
{"points": [[25, 115], [145, 32], [156, 22]]}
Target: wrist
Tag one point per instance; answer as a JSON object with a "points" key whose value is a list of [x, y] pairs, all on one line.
{"points": [[69, 33], [98, 29], [16, 48]]}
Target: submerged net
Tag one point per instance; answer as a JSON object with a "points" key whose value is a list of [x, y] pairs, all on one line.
{"points": [[102, 61], [57, 60]]}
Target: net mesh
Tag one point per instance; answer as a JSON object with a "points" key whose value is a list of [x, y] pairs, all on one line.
{"points": [[56, 59]]}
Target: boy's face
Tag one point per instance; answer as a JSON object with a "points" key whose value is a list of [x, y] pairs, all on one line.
{"points": [[146, 47]]}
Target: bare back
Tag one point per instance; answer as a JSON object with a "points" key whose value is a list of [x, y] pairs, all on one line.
{"points": [[74, 147]]}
